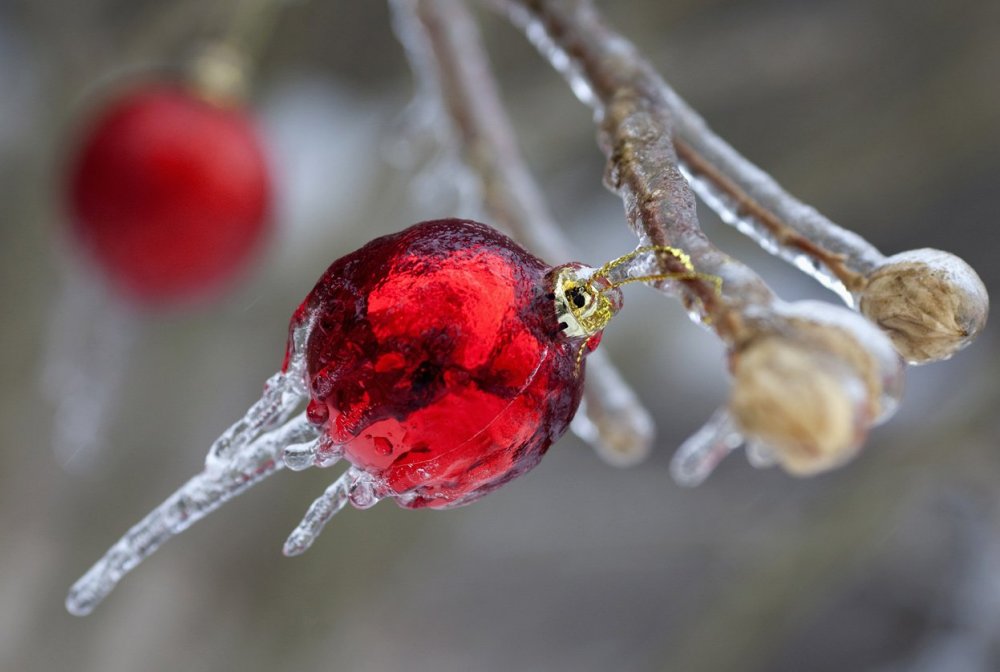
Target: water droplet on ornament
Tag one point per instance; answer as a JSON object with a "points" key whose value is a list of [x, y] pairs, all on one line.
{"points": [[317, 412], [362, 493], [299, 457]]}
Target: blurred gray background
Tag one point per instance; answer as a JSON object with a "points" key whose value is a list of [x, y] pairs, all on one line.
{"points": [[882, 113]]}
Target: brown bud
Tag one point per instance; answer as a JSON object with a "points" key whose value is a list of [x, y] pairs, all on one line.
{"points": [[806, 405], [812, 384], [930, 303]]}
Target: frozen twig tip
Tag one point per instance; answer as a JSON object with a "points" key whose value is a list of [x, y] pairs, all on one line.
{"points": [[930, 303], [810, 392]]}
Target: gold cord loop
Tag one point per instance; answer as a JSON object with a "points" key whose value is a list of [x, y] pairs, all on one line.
{"points": [[688, 274]]}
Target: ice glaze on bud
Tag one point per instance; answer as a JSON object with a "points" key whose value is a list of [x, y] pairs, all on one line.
{"points": [[930, 303], [169, 193], [437, 363], [811, 392], [805, 408]]}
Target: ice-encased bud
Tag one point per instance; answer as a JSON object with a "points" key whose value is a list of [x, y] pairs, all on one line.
{"points": [[811, 390], [930, 303], [806, 407]]}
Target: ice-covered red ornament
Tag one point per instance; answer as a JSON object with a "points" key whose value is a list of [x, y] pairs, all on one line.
{"points": [[169, 193], [440, 362], [436, 362]]}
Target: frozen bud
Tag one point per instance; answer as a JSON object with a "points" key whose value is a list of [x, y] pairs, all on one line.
{"points": [[805, 407], [930, 303], [811, 389]]}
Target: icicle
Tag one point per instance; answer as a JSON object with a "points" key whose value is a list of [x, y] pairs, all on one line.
{"points": [[320, 453], [699, 455], [728, 210], [299, 456], [353, 486], [283, 392], [190, 503]]}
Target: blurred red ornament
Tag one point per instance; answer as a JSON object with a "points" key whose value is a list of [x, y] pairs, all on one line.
{"points": [[170, 193]]}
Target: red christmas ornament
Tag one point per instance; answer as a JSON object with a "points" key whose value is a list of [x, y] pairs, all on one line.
{"points": [[169, 193], [436, 362], [441, 362]]}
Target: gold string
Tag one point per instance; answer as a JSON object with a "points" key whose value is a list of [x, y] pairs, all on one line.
{"points": [[679, 255], [688, 274]]}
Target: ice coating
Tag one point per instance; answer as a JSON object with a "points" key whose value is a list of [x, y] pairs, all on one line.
{"points": [[557, 57], [930, 303], [729, 211], [436, 362], [845, 383], [890, 368]]}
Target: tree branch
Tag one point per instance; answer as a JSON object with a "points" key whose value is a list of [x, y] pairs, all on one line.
{"points": [[930, 303], [809, 379]]}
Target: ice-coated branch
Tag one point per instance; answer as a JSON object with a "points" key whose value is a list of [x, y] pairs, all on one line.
{"points": [[249, 464], [931, 303], [447, 56], [791, 364], [750, 199]]}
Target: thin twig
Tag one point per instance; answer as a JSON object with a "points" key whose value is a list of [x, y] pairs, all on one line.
{"points": [[731, 183], [720, 182], [445, 49], [929, 302], [452, 58]]}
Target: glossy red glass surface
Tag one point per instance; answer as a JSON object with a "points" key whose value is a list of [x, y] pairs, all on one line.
{"points": [[435, 360], [169, 193]]}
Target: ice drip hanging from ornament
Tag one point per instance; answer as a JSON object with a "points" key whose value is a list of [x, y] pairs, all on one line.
{"points": [[167, 196], [440, 363]]}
